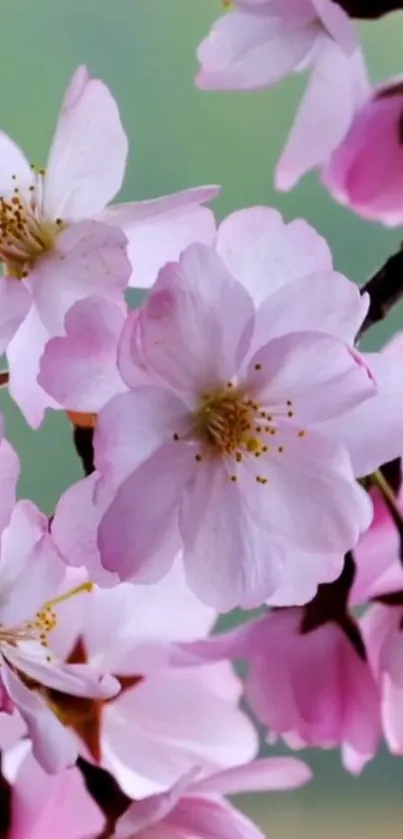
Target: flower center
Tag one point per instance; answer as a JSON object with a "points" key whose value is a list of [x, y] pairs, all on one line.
{"points": [[44, 622], [228, 423], [25, 234], [225, 422]]}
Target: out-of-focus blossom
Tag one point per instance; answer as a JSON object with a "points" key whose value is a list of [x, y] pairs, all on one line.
{"points": [[44, 805], [31, 571], [259, 42], [165, 719], [58, 243], [366, 170], [310, 687], [197, 808]]}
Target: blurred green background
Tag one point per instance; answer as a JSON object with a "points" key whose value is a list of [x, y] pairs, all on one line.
{"points": [[180, 137]]}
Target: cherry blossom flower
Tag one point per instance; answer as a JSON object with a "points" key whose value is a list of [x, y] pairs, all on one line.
{"points": [[287, 270], [227, 432], [48, 805], [60, 243], [165, 719], [31, 571], [257, 43], [364, 170], [311, 687], [197, 807]]}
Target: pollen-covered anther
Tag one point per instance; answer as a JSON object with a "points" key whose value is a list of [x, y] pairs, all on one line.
{"points": [[24, 233]]}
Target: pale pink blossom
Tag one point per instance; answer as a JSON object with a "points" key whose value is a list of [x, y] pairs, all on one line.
{"points": [[382, 627], [219, 448], [287, 270], [31, 571], [365, 171], [60, 242], [44, 805], [311, 688], [198, 807], [165, 719], [257, 43]]}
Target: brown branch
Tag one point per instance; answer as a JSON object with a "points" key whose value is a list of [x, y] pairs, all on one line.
{"points": [[385, 290]]}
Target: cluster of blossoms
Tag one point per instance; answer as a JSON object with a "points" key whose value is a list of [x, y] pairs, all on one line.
{"points": [[239, 449]]}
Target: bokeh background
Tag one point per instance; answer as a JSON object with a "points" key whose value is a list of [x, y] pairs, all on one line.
{"points": [[181, 137]]}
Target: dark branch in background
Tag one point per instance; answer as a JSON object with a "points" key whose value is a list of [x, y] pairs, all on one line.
{"points": [[330, 605], [84, 444], [369, 9], [106, 793], [385, 289]]}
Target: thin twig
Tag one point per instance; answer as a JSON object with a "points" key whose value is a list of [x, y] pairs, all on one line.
{"points": [[385, 289]]}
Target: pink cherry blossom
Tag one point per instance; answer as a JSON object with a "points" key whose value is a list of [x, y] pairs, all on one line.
{"points": [[165, 719], [260, 42], [197, 807], [61, 243], [311, 688], [225, 427], [283, 267], [365, 170], [45, 805], [31, 571]]}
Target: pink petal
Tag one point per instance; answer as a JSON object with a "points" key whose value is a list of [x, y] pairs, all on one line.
{"points": [[160, 229], [271, 773], [320, 374], [132, 426], [305, 306], [206, 818], [245, 51], [23, 355], [74, 529], [151, 810], [337, 23], [313, 473], [89, 258], [265, 254], [43, 805], [30, 566], [373, 431], [15, 303], [73, 679], [52, 745], [87, 159], [13, 163], [171, 722], [184, 337], [363, 171], [142, 519], [298, 589], [228, 555], [9, 474], [79, 370], [337, 88]]}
